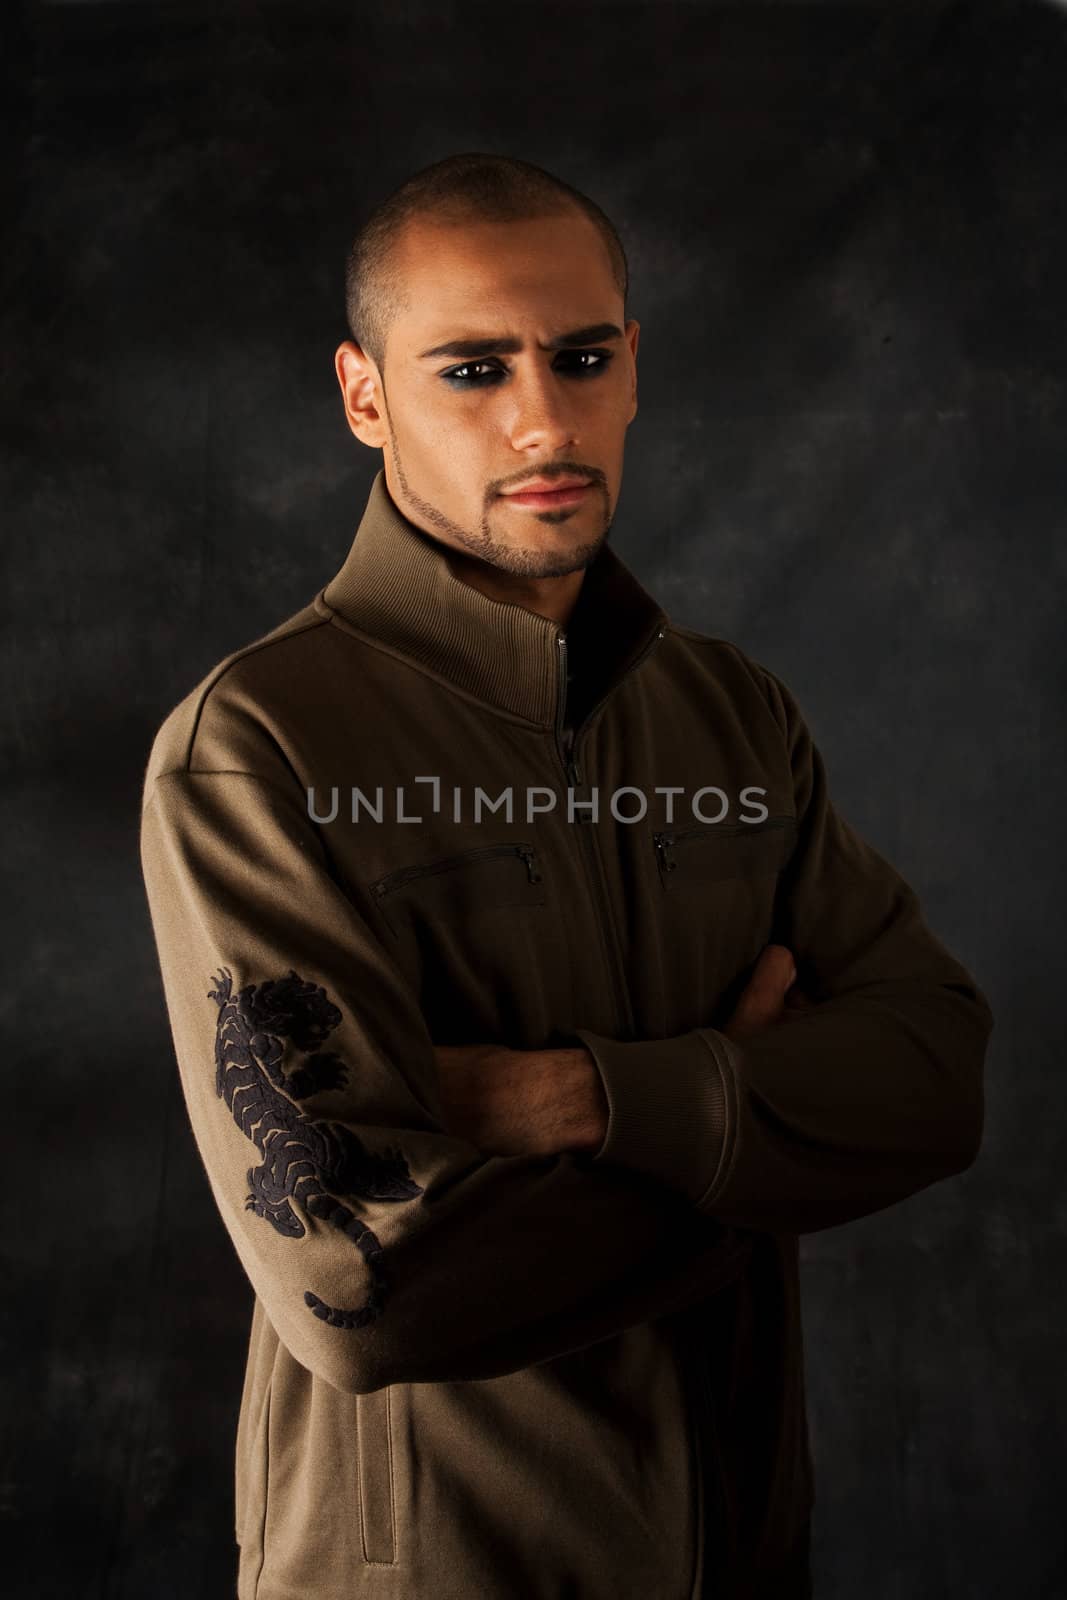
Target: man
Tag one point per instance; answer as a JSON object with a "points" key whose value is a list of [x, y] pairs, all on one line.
{"points": [[478, 886]]}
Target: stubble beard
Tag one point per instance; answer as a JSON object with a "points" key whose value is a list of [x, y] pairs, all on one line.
{"points": [[521, 562]]}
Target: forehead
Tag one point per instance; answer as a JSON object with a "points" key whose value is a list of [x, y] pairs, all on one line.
{"points": [[555, 267]]}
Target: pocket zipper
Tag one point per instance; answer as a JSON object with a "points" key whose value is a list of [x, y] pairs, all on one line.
{"points": [[400, 875], [665, 841]]}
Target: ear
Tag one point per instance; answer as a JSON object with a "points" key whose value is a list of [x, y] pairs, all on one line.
{"points": [[633, 333], [360, 384]]}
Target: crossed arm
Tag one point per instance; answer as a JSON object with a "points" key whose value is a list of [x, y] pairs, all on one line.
{"points": [[544, 1102], [465, 1154]]}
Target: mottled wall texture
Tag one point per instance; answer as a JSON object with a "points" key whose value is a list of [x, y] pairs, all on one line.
{"points": [[848, 244]]}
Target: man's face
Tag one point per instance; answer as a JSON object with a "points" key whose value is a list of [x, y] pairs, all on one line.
{"points": [[463, 427]]}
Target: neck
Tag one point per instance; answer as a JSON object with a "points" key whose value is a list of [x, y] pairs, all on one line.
{"points": [[397, 586]]}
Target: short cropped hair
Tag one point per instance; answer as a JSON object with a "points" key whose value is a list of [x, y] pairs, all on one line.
{"points": [[461, 188]]}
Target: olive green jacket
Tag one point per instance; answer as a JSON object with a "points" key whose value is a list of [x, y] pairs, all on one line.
{"points": [[484, 1377]]}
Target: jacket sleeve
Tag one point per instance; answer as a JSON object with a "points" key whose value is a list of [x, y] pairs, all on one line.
{"points": [[383, 1249], [838, 1112]]}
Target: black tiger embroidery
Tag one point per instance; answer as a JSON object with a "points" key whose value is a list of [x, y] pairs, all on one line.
{"points": [[309, 1161]]}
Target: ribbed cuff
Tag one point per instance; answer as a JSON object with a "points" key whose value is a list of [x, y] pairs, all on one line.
{"points": [[668, 1105]]}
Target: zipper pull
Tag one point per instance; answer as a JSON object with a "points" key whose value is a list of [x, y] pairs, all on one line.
{"points": [[527, 853], [663, 846]]}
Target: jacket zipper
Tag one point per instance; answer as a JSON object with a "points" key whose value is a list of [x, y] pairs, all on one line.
{"points": [[570, 763], [573, 774], [665, 841], [714, 1527], [710, 1514], [401, 875], [568, 760]]}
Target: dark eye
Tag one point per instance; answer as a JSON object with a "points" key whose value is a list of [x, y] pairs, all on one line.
{"points": [[457, 374], [491, 372]]}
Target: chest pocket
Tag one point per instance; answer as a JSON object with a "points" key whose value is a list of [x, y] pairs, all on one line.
{"points": [[465, 885], [476, 933], [694, 856]]}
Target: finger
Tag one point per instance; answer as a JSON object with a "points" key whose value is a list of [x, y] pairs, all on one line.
{"points": [[760, 1002], [776, 959], [771, 977]]}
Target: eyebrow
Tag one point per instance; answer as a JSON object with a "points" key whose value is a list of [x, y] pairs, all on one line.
{"points": [[471, 349]]}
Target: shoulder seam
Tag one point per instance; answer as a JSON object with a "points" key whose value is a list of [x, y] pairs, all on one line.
{"points": [[761, 676], [746, 660], [694, 633], [220, 671], [220, 772]]}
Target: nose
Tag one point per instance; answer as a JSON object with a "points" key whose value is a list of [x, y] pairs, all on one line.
{"points": [[543, 415]]}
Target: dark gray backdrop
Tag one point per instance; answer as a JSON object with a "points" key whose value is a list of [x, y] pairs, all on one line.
{"points": [[848, 244]]}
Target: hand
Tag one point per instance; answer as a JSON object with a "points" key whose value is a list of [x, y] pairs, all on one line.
{"points": [[770, 996]]}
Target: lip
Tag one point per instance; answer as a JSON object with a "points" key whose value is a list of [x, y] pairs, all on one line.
{"points": [[544, 494]]}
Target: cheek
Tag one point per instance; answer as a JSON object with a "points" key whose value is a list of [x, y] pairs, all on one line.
{"points": [[610, 414]]}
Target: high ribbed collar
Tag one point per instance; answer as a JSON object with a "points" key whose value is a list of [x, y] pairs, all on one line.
{"points": [[398, 587]]}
